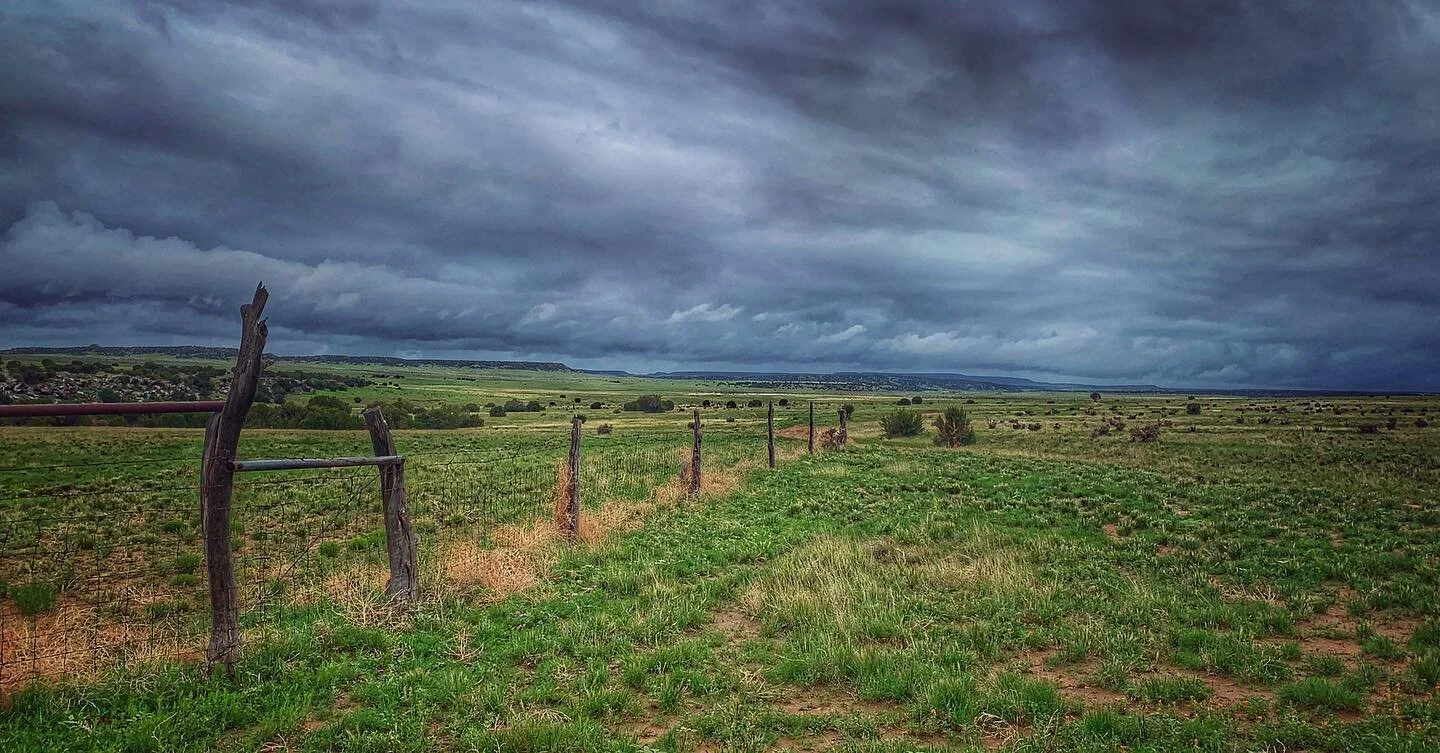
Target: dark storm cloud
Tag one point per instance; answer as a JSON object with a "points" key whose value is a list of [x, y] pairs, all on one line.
{"points": [[1213, 192]]}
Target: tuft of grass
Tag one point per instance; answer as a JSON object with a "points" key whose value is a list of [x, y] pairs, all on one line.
{"points": [[1173, 689], [1319, 693], [33, 598]]}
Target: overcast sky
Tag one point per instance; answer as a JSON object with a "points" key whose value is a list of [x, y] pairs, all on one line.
{"points": [[1190, 193]]}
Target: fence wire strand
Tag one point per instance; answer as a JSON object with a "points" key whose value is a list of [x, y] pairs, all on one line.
{"points": [[109, 572]]}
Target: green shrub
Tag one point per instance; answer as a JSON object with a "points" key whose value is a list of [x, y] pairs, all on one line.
{"points": [[185, 563], [33, 598], [953, 428], [649, 404], [902, 422]]}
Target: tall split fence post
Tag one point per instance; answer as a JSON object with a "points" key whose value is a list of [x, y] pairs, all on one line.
{"points": [[770, 432], [222, 439], [812, 428], [572, 484], [695, 454], [401, 545], [844, 435]]}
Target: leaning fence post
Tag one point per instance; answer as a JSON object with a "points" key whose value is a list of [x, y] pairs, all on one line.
{"points": [[695, 455], [571, 529], [844, 435], [400, 542], [217, 486], [770, 432], [812, 427]]}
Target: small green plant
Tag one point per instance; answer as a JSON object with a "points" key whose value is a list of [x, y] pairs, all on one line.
{"points": [[952, 428], [1325, 666], [1315, 692], [1173, 689], [902, 422], [328, 549], [185, 563], [33, 598]]}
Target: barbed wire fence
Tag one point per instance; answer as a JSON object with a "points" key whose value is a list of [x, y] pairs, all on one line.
{"points": [[102, 563]]}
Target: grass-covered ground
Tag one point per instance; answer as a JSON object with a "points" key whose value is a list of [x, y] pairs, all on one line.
{"points": [[1242, 586]]}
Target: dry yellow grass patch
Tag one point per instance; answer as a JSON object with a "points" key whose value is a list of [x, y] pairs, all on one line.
{"points": [[74, 640], [520, 553]]}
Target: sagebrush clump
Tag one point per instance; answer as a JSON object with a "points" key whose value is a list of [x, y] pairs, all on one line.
{"points": [[902, 422], [952, 428]]}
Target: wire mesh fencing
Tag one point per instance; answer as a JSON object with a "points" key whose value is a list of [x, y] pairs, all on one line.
{"points": [[102, 563], [99, 563]]}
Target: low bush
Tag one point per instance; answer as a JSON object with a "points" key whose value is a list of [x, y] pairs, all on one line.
{"points": [[953, 428], [33, 598], [649, 404], [902, 422], [1146, 433]]}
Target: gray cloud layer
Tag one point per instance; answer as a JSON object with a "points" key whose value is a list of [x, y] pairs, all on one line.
{"points": [[1210, 193]]}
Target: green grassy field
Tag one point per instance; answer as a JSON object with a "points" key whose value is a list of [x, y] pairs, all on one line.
{"points": [[1256, 579]]}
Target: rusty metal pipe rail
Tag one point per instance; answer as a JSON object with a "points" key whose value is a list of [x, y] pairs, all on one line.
{"points": [[34, 410], [293, 464]]}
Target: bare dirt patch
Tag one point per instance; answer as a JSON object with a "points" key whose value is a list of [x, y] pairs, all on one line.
{"points": [[737, 626], [796, 432], [830, 701]]}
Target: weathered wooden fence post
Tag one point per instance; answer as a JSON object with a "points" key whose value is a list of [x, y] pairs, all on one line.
{"points": [[812, 427], [695, 455], [572, 485], [400, 543], [844, 435], [217, 486], [770, 432]]}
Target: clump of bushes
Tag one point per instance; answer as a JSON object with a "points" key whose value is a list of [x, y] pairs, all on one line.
{"points": [[952, 428], [1369, 428], [403, 414], [649, 404], [604, 429], [1146, 433], [903, 401], [1113, 423], [830, 439], [1192, 409], [902, 422]]}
